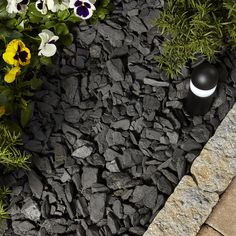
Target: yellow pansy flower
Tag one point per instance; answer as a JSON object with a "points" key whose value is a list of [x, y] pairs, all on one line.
{"points": [[17, 53], [10, 76], [2, 111]]}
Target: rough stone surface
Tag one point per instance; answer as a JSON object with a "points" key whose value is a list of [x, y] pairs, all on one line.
{"points": [[226, 210], [184, 212], [216, 165], [31, 210], [193, 199], [208, 231]]}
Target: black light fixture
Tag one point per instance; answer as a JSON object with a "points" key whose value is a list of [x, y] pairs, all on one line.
{"points": [[203, 84]]}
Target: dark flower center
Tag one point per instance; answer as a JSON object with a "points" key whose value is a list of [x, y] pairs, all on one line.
{"points": [[23, 2], [22, 55], [40, 5], [51, 42], [82, 11]]}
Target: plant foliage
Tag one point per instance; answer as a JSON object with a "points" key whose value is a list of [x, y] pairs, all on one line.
{"points": [[10, 157], [195, 27], [4, 191]]}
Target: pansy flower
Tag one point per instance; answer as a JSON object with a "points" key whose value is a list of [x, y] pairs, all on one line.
{"points": [[56, 5], [83, 8], [17, 53], [41, 6], [47, 47], [17, 6], [52, 5], [11, 75]]}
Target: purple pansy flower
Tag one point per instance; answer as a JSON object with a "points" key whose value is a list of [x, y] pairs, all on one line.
{"points": [[83, 8]]}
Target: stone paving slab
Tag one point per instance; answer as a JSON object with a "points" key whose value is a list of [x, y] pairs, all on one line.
{"points": [[208, 231], [189, 206], [223, 217], [184, 212]]}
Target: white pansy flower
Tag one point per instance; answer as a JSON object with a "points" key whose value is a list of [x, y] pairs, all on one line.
{"points": [[56, 5], [17, 6], [83, 8], [41, 6], [47, 47], [52, 5]]}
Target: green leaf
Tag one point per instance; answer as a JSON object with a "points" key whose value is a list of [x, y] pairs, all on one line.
{"points": [[34, 15], [5, 96], [73, 18], [3, 99], [26, 115], [36, 83], [45, 60], [49, 24], [61, 29], [67, 40], [3, 13], [62, 15]]}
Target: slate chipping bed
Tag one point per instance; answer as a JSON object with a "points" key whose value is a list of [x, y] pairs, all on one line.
{"points": [[109, 138]]}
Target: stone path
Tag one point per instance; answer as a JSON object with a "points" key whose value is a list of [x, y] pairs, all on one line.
{"points": [[222, 221], [195, 197]]}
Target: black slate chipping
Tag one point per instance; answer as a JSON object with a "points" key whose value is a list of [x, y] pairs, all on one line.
{"points": [[108, 104]]}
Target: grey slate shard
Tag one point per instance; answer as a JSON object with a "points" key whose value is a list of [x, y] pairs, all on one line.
{"points": [[59, 154], [83, 152], [72, 115], [155, 83], [112, 223], [99, 188], [70, 86], [150, 198], [139, 72], [54, 226], [164, 185], [150, 103], [120, 180], [92, 231], [117, 209], [111, 155], [59, 189], [121, 124], [77, 181], [82, 207], [96, 160], [80, 230], [97, 206], [145, 195], [112, 166], [35, 184], [200, 133], [101, 140], [114, 36], [190, 145], [137, 230], [114, 138], [137, 25], [95, 51], [89, 177], [34, 146], [116, 69], [130, 157], [22, 227], [30, 210], [86, 36]]}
